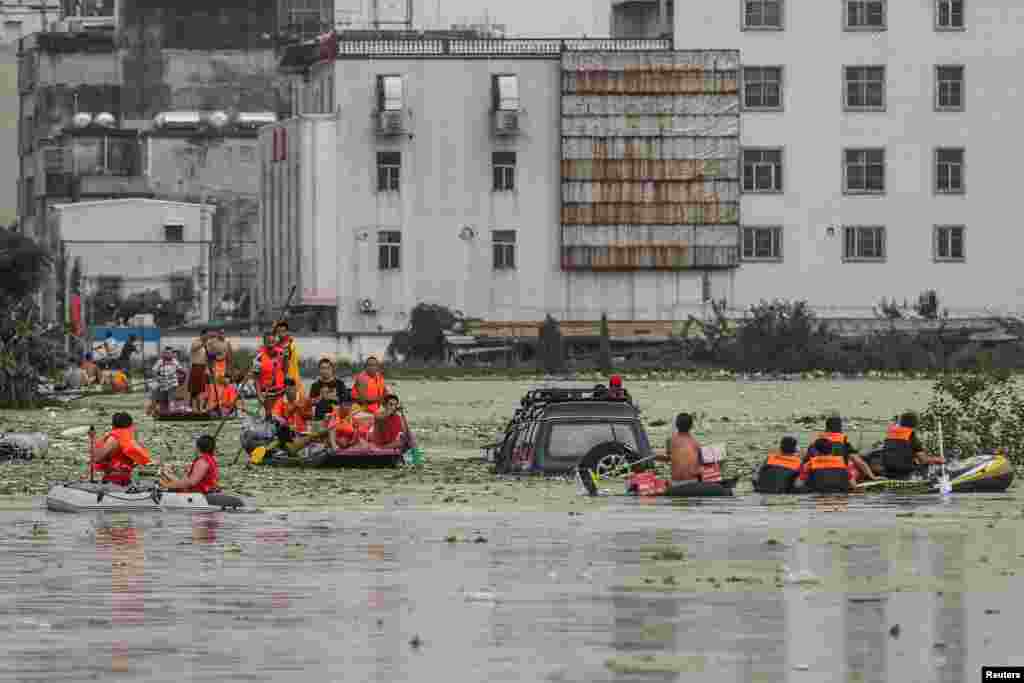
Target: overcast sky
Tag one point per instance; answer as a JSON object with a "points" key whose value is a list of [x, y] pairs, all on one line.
{"points": [[522, 17]]}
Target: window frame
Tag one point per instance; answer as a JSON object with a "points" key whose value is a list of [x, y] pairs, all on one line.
{"points": [[937, 230], [858, 109], [963, 16], [167, 234], [389, 250], [389, 175], [865, 259], [962, 189], [937, 85], [503, 251], [778, 176], [382, 99], [846, 182], [744, 26], [496, 99], [781, 85], [246, 154], [776, 239], [508, 172], [865, 29]]}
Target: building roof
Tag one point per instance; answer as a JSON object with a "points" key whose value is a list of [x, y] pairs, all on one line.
{"points": [[132, 200]]}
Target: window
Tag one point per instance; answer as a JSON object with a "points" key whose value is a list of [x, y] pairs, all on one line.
{"points": [[865, 15], [181, 289], [504, 171], [389, 93], [568, 439], [109, 286], [762, 244], [864, 171], [389, 250], [174, 232], [505, 92], [504, 243], [246, 154], [949, 15], [763, 14], [949, 170], [865, 88], [762, 88], [949, 243], [762, 170], [864, 243], [389, 171], [949, 88]]}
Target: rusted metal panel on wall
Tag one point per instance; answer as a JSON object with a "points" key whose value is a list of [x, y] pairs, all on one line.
{"points": [[650, 151]]}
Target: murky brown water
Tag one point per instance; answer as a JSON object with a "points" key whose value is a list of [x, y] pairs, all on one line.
{"points": [[722, 590]]}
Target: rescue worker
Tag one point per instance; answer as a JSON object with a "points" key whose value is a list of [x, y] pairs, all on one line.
{"points": [[683, 452], [117, 453], [293, 408], [779, 472], [342, 432], [368, 388], [825, 470], [268, 371], [841, 446], [203, 474], [289, 351], [903, 452]]}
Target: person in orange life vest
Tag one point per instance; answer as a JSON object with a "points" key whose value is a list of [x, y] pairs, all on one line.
{"points": [[825, 470], [389, 426], [342, 432], [203, 474], [368, 388], [294, 408], [841, 446], [118, 381], [268, 371], [289, 351], [117, 453], [904, 452], [221, 397], [779, 472]]}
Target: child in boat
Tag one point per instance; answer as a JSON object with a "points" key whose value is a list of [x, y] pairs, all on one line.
{"points": [[389, 426], [203, 474], [117, 453], [341, 431]]}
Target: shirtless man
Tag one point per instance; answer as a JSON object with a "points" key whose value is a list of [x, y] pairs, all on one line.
{"points": [[683, 451]]}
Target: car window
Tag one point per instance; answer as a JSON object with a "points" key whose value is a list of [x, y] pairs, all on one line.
{"points": [[575, 439]]}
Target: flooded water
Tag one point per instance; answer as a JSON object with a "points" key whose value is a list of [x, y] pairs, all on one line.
{"points": [[859, 589]]}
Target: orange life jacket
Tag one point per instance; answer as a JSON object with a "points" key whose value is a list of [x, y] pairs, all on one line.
{"points": [[221, 396], [368, 388], [129, 453], [211, 480], [898, 457], [271, 372], [897, 432], [342, 425], [828, 473], [118, 382], [294, 412]]}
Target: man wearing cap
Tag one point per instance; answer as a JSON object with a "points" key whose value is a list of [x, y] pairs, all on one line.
{"points": [[368, 387], [166, 379]]}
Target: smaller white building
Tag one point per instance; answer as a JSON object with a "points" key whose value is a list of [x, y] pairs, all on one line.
{"points": [[130, 246]]}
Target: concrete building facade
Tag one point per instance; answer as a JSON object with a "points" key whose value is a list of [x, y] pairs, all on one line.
{"points": [[874, 148], [551, 177]]}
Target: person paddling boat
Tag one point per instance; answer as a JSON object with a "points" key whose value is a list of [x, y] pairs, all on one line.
{"points": [[118, 453], [203, 474]]}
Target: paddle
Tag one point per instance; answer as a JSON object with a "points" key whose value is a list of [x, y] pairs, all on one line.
{"points": [[92, 447], [945, 486]]}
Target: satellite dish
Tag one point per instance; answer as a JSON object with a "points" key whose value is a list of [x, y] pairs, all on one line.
{"points": [[81, 119], [105, 119], [218, 119], [467, 233]]}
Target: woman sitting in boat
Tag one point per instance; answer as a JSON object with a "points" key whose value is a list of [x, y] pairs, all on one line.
{"points": [[203, 474], [341, 429], [117, 453], [389, 426]]}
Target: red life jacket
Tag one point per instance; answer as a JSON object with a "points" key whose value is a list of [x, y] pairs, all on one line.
{"points": [[271, 372], [129, 453], [211, 481]]}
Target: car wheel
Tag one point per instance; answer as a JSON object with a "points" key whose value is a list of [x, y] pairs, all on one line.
{"points": [[608, 458]]}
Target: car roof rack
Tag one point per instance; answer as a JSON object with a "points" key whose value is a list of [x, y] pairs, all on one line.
{"points": [[565, 395]]}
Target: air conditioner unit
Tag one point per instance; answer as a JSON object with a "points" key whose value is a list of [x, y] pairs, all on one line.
{"points": [[391, 122], [506, 122], [366, 306]]}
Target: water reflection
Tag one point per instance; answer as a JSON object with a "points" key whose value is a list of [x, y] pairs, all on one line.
{"points": [[121, 543]]}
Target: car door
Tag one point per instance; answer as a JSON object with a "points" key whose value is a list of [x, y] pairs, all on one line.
{"points": [[567, 441]]}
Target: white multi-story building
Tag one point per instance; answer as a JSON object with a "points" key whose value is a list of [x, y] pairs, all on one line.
{"points": [[506, 179], [877, 147]]}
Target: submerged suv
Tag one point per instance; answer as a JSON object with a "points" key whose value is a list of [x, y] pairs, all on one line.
{"points": [[558, 430]]}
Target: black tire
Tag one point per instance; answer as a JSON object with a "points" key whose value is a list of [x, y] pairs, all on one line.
{"points": [[608, 457], [224, 501]]}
